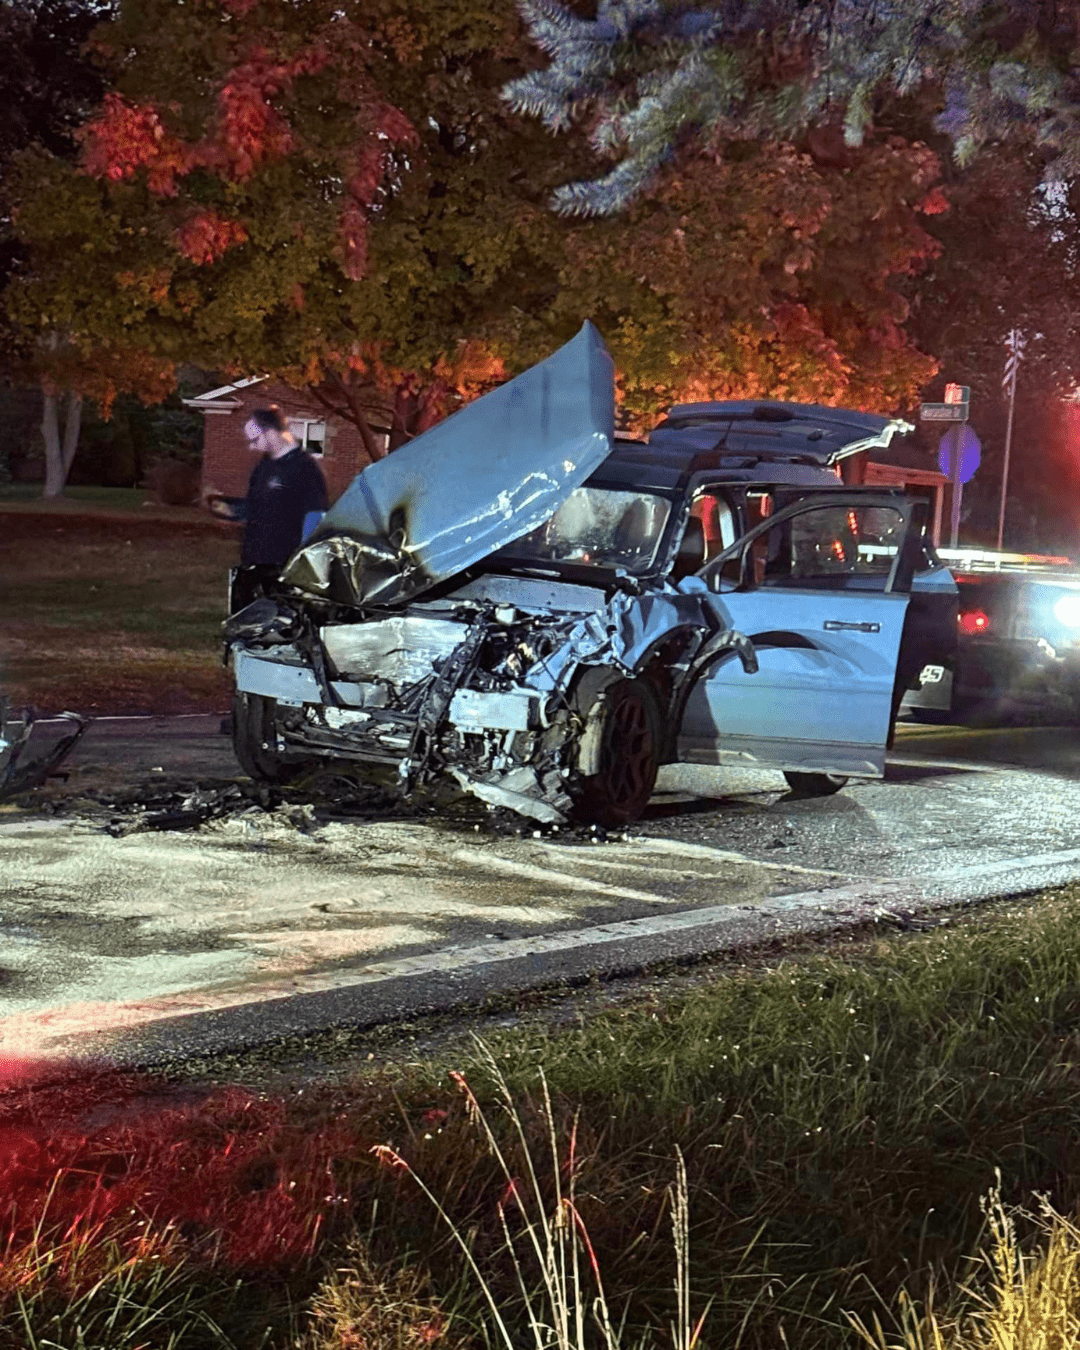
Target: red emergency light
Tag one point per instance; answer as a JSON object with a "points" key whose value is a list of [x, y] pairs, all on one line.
{"points": [[973, 621]]}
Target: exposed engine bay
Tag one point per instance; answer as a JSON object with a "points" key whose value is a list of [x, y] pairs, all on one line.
{"points": [[528, 706]]}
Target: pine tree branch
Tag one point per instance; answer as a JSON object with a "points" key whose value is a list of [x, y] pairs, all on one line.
{"points": [[648, 73]]}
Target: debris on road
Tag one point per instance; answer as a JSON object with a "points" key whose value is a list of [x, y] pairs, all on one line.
{"points": [[184, 812], [325, 799], [16, 776]]}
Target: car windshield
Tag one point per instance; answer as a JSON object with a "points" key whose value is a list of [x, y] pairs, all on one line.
{"points": [[598, 526]]}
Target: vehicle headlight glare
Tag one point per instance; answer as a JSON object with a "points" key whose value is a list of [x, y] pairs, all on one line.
{"points": [[1067, 611]]}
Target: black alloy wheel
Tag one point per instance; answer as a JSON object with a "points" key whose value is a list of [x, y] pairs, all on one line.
{"points": [[624, 717], [254, 734]]}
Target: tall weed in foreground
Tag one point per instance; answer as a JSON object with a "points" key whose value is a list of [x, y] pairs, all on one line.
{"points": [[1017, 1298], [558, 1276], [129, 1222], [132, 1304]]}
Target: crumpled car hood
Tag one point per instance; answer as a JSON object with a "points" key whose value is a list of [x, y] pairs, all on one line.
{"points": [[483, 478]]}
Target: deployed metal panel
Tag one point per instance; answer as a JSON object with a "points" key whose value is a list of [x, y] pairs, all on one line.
{"points": [[772, 430], [487, 475]]}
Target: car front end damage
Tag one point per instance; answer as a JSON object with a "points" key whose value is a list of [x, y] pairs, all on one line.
{"points": [[470, 612], [513, 606], [549, 698]]}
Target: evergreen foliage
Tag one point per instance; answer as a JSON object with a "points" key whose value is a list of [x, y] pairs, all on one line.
{"points": [[650, 73]]}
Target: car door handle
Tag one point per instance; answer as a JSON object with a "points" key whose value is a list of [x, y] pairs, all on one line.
{"points": [[838, 625]]}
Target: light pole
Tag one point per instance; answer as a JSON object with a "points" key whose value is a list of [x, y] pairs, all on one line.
{"points": [[1014, 347]]}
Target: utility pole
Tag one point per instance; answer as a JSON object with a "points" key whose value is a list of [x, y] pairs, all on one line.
{"points": [[951, 448], [1014, 347]]}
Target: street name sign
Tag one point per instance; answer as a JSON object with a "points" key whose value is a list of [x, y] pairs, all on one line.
{"points": [[943, 412]]}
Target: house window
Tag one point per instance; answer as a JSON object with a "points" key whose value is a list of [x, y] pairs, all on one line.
{"points": [[309, 434]]}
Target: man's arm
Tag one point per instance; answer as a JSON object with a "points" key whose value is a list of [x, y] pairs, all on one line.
{"points": [[225, 508]]}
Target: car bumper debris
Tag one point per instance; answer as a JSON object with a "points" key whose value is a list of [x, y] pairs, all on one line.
{"points": [[18, 775]]}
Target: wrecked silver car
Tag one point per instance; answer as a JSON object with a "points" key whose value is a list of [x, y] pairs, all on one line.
{"points": [[519, 603]]}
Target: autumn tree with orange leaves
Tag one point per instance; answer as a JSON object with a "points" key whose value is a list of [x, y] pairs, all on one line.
{"points": [[335, 194], [322, 192], [774, 271]]}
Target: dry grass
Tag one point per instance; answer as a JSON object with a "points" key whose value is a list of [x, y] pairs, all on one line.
{"points": [[361, 1307], [1019, 1296], [544, 1234]]}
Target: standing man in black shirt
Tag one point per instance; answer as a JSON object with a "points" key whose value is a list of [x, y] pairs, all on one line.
{"points": [[285, 486]]}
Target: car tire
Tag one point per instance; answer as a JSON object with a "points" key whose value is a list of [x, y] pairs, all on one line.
{"points": [[253, 732], [624, 730], [815, 784]]}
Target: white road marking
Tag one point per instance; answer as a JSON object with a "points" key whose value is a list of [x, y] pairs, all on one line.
{"points": [[1069, 855], [493, 863], [724, 855], [125, 717], [965, 765], [53, 1030]]}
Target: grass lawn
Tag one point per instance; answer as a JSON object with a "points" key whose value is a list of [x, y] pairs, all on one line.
{"points": [[841, 1120], [28, 495], [113, 613]]}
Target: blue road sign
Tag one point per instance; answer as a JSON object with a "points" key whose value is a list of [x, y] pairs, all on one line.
{"points": [[962, 441]]}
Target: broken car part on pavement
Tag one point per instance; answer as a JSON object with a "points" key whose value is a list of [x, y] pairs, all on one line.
{"points": [[18, 775]]}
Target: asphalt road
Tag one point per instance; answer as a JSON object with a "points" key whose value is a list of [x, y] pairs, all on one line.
{"points": [[261, 924]]}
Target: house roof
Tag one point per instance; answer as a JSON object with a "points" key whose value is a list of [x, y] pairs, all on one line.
{"points": [[217, 400], [295, 406]]}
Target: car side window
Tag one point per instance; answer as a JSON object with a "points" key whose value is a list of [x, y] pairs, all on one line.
{"points": [[829, 546]]}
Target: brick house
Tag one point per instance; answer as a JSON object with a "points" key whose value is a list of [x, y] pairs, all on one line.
{"points": [[227, 462]]}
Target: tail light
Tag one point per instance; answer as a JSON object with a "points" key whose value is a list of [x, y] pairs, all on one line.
{"points": [[973, 621]]}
